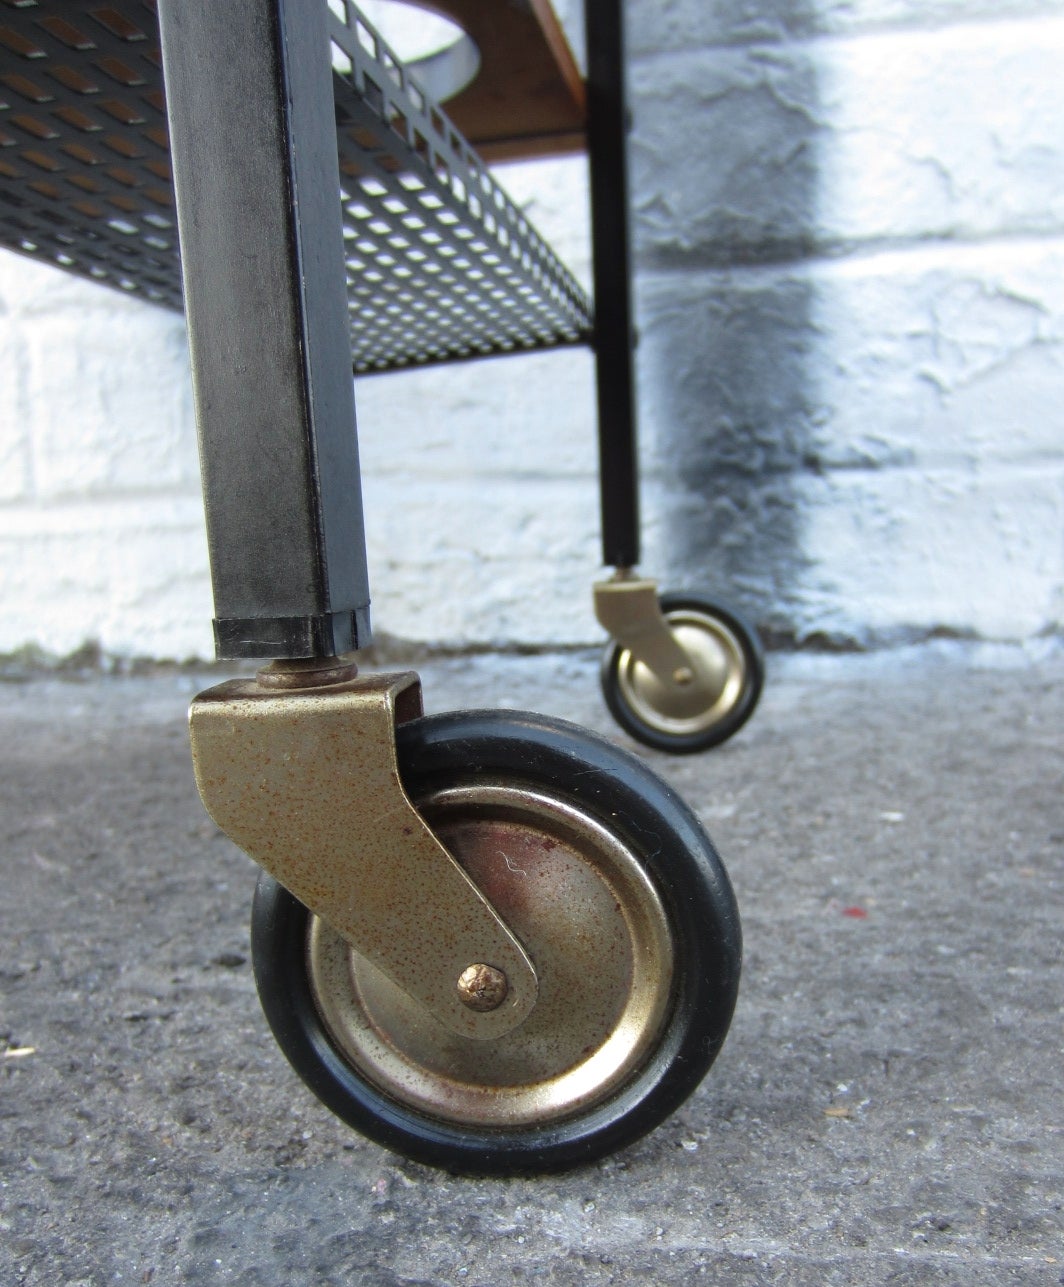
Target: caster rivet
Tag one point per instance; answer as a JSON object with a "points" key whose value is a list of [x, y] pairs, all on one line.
{"points": [[482, 987], [683, 675]]}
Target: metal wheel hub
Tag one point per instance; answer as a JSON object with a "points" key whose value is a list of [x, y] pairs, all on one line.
{"points": [[593, 924], [718, 669]]}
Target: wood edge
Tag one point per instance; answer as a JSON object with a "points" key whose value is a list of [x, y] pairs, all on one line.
{"points": [[530, 147]]}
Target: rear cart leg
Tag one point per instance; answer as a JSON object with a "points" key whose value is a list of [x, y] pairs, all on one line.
{"points": [[682, 672]]}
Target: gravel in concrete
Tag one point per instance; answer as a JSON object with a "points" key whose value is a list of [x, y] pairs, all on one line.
{"points": [[889, 1107]]}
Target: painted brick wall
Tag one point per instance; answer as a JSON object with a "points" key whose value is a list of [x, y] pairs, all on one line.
{"points": [[852, 310], [101, 528], [850, 285]]}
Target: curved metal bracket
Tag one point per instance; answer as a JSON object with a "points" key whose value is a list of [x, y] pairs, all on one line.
{"points": [[628, 609], [306, 781]]}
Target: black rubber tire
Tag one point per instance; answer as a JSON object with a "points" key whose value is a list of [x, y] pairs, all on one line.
{"points": [[617, 790], [662, 739]]}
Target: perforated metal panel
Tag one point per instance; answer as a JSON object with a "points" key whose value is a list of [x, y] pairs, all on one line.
{"points": [[441, 264], [440, 260]]}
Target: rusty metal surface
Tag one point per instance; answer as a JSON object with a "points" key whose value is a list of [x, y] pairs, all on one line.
{"points": [[306, 782], [594, 925]]}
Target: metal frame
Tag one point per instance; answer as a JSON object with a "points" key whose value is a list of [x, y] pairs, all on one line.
{"points": [[438, 264], [84, 168], [262, 253], [441, 265], [614, 339]]}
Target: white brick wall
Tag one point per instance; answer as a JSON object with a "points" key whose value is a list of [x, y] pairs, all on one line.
{"points": [[851, 299], [101, 528], [852, 306]]}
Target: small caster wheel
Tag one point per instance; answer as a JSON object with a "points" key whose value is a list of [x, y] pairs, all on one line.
{"points": [[727, 673], [620, 900]]}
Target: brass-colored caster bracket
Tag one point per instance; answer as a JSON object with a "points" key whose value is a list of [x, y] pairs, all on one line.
{"points": [[682, 672], [305, 779], [629, 610]]}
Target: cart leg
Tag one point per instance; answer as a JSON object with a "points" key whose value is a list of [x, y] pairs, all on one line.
{"points": [[681, 672], [390, 977], [607, 129], [252, 125]]}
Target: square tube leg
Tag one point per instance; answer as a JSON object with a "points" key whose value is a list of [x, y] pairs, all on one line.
{"points": [[253, 145]]}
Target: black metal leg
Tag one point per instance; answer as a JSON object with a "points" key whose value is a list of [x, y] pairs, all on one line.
{"points": [[607, 128], [253, 143]]}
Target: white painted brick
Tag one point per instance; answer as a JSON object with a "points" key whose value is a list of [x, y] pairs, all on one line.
{"points": [[722, 369], [482, 499], [944, 357], [944, 135], [873, 558], [740, 538], [14, 415], [723, 154], [929, 356], [772, 401], [508, 417], [760, 153], [115, 414], [867, 446], [655, 25], [487, 560], [131, 575], [942, 549]]}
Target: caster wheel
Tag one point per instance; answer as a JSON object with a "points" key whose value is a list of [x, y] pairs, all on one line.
{"points": [[728, 672], [620, 900]]}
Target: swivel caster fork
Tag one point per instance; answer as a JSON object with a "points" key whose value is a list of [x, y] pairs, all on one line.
{"points": [[682, 673], [598, 926]]}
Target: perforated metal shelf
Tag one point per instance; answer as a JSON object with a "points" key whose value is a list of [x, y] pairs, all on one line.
{"points": [[440, 262]]}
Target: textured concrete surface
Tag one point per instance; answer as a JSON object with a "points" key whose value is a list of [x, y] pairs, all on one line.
{"points": [[888, 1107]]}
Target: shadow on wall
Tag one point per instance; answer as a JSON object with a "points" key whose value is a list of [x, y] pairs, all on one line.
{"points": [[724, 193]]}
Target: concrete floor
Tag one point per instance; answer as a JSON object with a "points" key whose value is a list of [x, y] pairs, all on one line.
{"points": [[889, 1106]]}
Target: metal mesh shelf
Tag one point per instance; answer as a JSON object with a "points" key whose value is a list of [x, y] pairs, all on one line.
{"points": [[440, 262]]}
